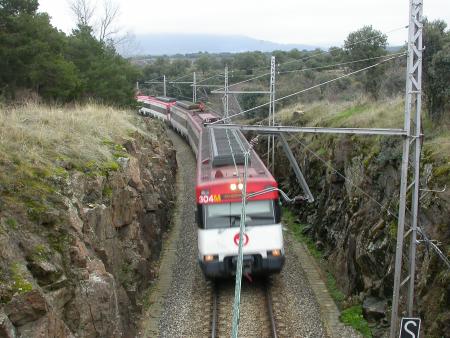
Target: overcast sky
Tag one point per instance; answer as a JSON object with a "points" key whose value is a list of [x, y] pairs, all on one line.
{"points": [[314, 22]]}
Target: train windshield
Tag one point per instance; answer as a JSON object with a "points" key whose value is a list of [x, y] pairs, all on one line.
{"points": [[227, 215]]}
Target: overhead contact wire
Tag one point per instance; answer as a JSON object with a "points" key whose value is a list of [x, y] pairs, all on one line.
{"points": [[352, 44], [341, 64], [311, 88]]}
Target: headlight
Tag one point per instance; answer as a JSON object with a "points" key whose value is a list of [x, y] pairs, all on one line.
{"points": [[210, 258], [275, 253]]}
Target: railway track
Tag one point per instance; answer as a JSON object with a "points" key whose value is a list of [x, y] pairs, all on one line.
{"points": [[257, 317]]}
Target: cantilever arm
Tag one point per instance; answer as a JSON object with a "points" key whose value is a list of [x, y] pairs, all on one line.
{"points": [[295, 166]]}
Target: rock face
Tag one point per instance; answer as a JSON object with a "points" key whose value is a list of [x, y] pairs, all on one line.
{"points": [[355, 221], [80, 269]]}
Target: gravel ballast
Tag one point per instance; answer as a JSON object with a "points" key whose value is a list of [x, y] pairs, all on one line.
{"points": [[186, 306]]}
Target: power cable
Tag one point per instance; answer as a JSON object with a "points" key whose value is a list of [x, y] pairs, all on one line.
{"points": [[329, 166], [156, 78], [304, 58], [389, 212], [244, 81], [342, 47], [211, 77], [434, 247], [232, 155], [313, 68], [291, 61], [311, 88], [181, 77], [340, 64]]}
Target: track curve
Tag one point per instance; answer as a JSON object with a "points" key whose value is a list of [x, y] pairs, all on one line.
{"points": [[187, 300]]}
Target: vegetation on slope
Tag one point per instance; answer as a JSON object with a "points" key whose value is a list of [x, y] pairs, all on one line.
{"points": [[40, 144], [36, 57], [298, 70], [364, 112], [51, 135], [344, 215], [351, 315], [75, 185]]}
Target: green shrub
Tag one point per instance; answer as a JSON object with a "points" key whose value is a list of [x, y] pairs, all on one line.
{"points": [[335, 293], [353, 317], [20, 284], [12, 223]]}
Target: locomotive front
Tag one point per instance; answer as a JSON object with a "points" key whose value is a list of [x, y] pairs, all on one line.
{"points": [[219, 203]]}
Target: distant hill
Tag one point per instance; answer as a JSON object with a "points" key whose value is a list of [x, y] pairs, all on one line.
{"points": [[169, 44], [395, 49]]}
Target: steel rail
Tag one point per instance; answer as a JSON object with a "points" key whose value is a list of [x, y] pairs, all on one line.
{"points": [[214, 310], [265, 285], [273, 326]]}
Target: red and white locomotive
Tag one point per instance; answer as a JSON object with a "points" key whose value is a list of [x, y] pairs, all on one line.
{"points": [[218, 193]]}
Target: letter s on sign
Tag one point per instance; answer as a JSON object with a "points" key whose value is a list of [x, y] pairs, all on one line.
{"points": [[407, 330]]}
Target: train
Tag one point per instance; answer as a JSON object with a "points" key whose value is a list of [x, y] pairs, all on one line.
{"points": [[220, 168]]}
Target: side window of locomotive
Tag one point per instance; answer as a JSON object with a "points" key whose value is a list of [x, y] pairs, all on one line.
{"points": [[199, 216], [192, 133], [277, 208]]}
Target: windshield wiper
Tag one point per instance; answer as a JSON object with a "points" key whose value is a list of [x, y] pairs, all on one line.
{"points": [[233, 221], [261, 217]]}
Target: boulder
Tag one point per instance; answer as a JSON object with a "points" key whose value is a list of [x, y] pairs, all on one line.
{"points": [[44, 271], [74, 219], [26, 307], [94, 310], [79, 254], [102, 235], [151, 201], [134, 173], [374, 308], [124, 206], [7, 329], [49, 326]]}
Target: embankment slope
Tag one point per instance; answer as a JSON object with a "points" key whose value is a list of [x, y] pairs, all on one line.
{"points": [[85, 199]]}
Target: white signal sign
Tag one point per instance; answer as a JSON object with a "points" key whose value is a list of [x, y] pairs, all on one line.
{"points": [[410, 328]]}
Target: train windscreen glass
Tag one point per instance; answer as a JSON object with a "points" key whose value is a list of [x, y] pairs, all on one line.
{"points": [[226, 215]]}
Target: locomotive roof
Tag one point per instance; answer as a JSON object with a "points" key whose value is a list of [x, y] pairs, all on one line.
{"points": [[156, 100], [166, 99], [215, 157], [213, 166], [188, 105]]}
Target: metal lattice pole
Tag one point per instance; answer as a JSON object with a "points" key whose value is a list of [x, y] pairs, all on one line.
{"points": [[413, 130], [237, 288], [416, 50], [272, 90], [165, 87], [225, 98], [271, 118], [194, 89]]}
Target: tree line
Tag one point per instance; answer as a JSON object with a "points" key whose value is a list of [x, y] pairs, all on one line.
{"points": [[35, 56], [316, 66]]}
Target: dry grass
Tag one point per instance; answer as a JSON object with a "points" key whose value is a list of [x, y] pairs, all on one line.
{"points": [[367, 113], [40, 145], [360, 113], [41, 134]]}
